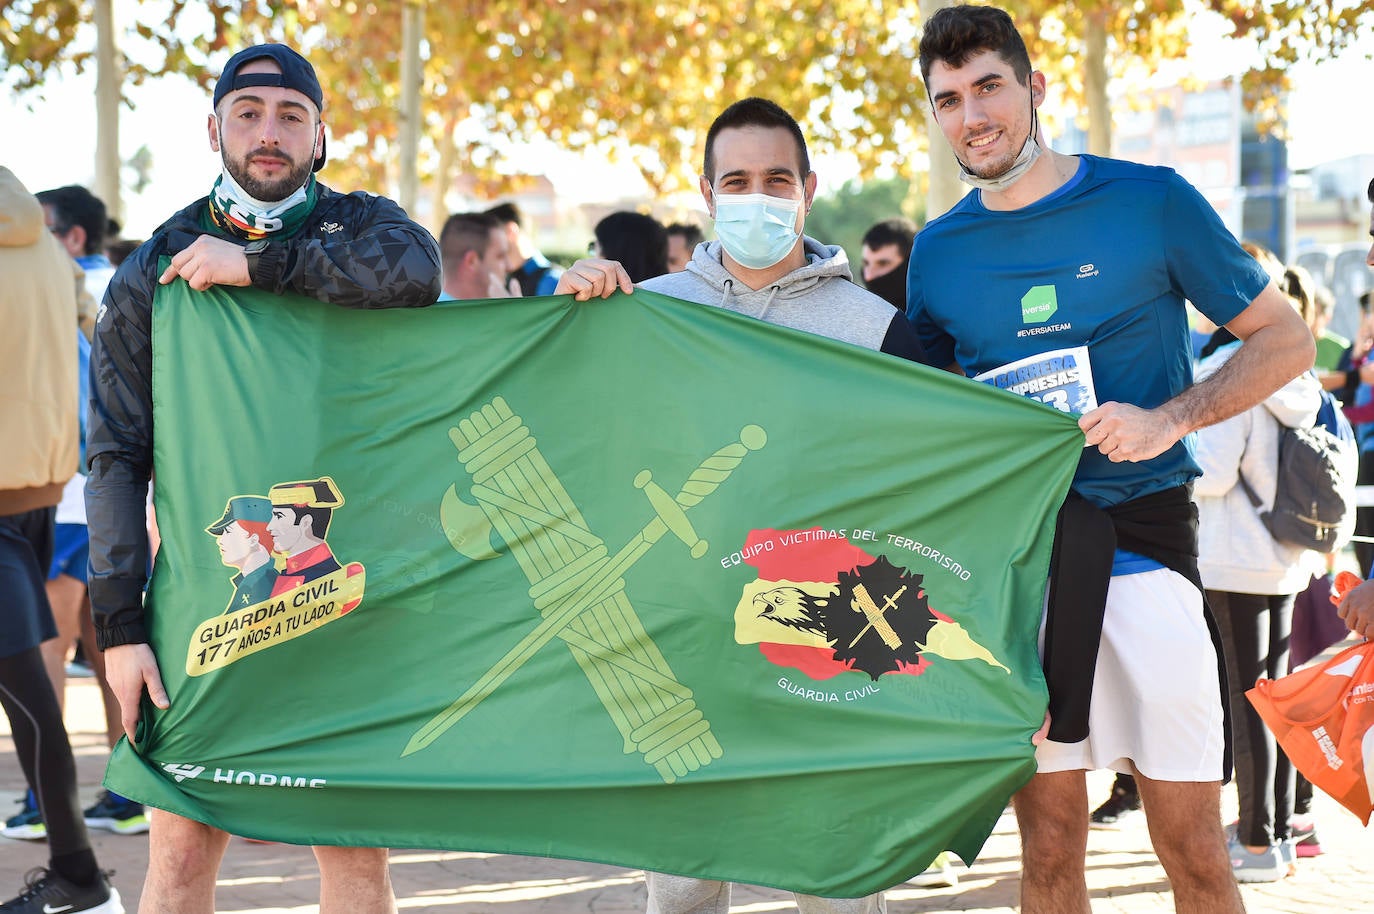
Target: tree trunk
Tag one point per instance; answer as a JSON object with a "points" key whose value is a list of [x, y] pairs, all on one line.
{"points": [[1095, 85], [443, 178], [412, 31], [107, 80], [945, 188]]}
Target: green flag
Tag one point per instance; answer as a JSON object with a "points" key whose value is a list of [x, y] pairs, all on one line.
{"points": [[634, 581]]}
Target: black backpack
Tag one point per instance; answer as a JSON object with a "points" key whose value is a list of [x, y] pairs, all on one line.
{"points": [[529, 282], [1314, 500]]}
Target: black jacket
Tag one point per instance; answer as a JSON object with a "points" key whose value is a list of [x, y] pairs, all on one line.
{"points": [[355, 250], [1161, 526]]}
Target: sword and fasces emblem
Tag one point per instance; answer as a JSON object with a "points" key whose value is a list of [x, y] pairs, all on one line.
{"points": [[578, 587], [863, 603]]}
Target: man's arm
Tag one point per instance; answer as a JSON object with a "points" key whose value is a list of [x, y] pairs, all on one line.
{"points": [[937, 346], [377, 258], [901, 340], [1277, 347], [119, 452]]}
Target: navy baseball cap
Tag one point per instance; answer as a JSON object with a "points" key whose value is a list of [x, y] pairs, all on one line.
{"points": [[296, 73]]}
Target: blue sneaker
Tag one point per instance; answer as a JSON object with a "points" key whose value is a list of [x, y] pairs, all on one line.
{"points": [[28, 824], [1266, 866], [114, 813]]}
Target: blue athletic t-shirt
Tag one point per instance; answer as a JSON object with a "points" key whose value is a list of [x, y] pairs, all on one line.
{"points": [[1104, 264]]}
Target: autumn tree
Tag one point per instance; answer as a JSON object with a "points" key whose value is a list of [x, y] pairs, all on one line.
{"points": [[1286, 32], [638, 80], [39, 37]]}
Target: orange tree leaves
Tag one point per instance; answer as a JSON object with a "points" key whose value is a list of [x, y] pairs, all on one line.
{"points": [[1286, 32], [639, 79], [38, 37]]}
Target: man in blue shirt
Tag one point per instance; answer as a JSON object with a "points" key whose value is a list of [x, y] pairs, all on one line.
{"points": [[1064, 279]]}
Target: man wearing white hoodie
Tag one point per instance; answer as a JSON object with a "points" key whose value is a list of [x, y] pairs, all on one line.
{"points": [[758, 185]]}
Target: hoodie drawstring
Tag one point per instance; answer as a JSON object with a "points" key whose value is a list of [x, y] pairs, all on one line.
{"points": [[727, 289], [768, 302]]}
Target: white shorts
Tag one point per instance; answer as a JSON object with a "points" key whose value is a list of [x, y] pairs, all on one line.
{"points": [[1156, 696]]}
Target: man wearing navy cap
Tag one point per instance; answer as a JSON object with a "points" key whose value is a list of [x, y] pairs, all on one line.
{"points": [[267, 223]]}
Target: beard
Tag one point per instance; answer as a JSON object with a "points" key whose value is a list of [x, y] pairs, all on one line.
{"points": [[265, 190], [991, 169], [994, 169]]}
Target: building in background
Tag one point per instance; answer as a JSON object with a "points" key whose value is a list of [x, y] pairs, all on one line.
{"points": [[1317, 218], [1197, 132]]}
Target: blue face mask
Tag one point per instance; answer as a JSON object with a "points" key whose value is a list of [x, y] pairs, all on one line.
{"points": [[756, 230]]}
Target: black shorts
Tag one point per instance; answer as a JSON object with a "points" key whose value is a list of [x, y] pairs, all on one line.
{"points": [[26, 543]]}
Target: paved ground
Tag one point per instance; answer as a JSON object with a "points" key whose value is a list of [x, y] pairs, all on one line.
{"points": [[1123, 874]]}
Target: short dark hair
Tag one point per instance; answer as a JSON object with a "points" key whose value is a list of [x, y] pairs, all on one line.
{"points": [[75, 205], [956, 33], [900, 231], [319, 517], [691, 233], [1370, 192], [638, 241], [505, 213], [465, 232], [754, 112]]}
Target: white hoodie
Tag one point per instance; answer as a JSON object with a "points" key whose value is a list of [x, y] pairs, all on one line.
{"points": [[1237, 554]]}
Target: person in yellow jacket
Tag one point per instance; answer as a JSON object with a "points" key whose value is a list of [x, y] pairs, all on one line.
{"points": [[38, 422]]}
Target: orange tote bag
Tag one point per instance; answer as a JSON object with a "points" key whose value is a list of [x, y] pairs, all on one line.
{"points": [[1323, 717]]}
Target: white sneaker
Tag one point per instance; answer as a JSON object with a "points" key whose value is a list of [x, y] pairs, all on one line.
{"points": [[939, 875]]}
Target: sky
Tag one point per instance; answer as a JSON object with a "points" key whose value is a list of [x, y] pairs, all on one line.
{"points": [[1329, 119]]}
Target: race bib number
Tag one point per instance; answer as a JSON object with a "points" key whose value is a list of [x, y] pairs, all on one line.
{"points": [[1062, 378]]}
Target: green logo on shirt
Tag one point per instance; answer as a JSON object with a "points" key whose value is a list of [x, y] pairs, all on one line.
{"points": [[1038, 305]]}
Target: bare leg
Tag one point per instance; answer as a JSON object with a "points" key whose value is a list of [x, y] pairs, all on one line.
{"points": [[183, 863], [355, 880], [1185, 829], [1052, 815], [66, 595]]}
